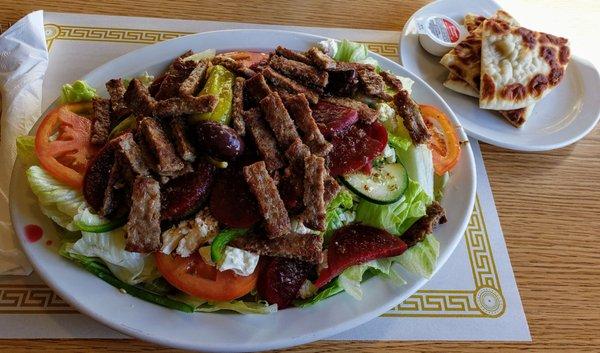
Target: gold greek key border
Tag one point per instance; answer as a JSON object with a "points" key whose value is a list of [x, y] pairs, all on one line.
{"points": [[485, 300]]}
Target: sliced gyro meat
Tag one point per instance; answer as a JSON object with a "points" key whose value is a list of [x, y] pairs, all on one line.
{"points": [[143, 225], [130, 156], [278, 118], [101, 121], [179, 132], [302, 72], [237, 110], [391, 80], [372, 83], [320, 59], [314, 190], [282, 82], [161, 148], [409, 110], [292, 55], [185, 105], [256, 88], [191, 84], [306, 247], [277, 220], [138, 99], [434, 215], [264, 140], [234, 66], [180, 70], [116, 90]]}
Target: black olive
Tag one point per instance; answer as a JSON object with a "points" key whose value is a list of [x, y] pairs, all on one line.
{"points": [[219, 141]]}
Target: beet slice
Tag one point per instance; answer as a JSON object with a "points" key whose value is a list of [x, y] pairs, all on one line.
{"points": [[356, 148], [185, 195], [231, 201], [95, 180], [333, 119], [355, 244], [281, 280]]}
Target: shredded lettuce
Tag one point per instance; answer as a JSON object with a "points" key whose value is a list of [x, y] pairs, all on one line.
{"points": [[352, 277], [78, 91], [439, 185], [129, 267], [145, 79], [58, 201], [349, 52], [206, 54], [339, 212], [399, 143], [397, 217], [418, 161], [26, 150], [421, 258], [328, 291], [240, 306]]}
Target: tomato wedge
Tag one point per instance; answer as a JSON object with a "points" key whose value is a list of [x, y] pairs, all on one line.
{"points": [[195, 277], [62, 143], [444, 142]]}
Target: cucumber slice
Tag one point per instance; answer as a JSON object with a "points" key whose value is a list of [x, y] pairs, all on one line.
{"points": [[386, 183]]}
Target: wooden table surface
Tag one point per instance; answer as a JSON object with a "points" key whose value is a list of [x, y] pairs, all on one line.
{"points": [[548, 202]]}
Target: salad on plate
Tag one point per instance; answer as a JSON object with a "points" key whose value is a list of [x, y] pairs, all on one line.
{"points": [[245, 181]]}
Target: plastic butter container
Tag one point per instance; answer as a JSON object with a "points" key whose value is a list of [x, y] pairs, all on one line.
{"points": [[438, 34]]}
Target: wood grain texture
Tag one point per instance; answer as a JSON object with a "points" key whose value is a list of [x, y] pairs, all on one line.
{"points": [[548, 202]]}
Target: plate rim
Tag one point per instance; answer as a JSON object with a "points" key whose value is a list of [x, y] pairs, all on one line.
{"points": [[576, 60], [48, 278]]}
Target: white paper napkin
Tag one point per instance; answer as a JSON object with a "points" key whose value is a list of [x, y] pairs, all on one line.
{"points": [[23, 63]]}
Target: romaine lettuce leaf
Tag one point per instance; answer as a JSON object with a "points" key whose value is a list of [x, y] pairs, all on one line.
{"points": [[26, 150], [397, 217], [58, 201], [206, 54], [398, 142], [418, 161], [339, 212], [242, 307], [145, 79], [439, 185], [422, 257], [127, 266], [78, 91], [350, 280]]}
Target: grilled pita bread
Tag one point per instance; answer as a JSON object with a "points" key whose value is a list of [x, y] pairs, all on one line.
{"points": [[518, 66]]}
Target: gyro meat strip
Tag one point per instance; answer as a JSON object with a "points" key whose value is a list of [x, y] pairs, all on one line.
{"points": [[138, 99], [418, 231], [279, 81], [257, 88], [391, 80], [277, 220], [191, 84], [301, 113], [185, 105], [264, 139], [184, 147], [365, 113], [296, 153], [320, 59], [372, 83], [237, 111], [113, 198], [101, 121], [178, 73], [307, 247], [143, 226], [128, 153], [167, 161], [116, 90], [234, 66], [299, 71], [292, 55], [314, 190], [278, 118], [332, 187], [411, 115]]}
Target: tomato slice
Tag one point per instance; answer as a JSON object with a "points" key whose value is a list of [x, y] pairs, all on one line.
{"points": [[62, 143], [248, 58], [195, 277], [444, 142]]}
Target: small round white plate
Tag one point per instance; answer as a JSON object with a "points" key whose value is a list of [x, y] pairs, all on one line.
{"points": [[564, 116], [222, 331]]}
